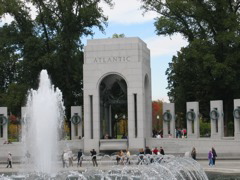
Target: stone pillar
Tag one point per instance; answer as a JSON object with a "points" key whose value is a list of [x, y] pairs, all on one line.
{"points": [[236, 114], [192, 117], [4, 127], [23, 115], [76, 128], [23, 112], [168, 117], [136, 138], [216, 116]]}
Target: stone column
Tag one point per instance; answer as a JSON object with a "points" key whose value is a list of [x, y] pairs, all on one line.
{"points": [[131, 118], [216, 116], [76, 129], [168, 117], [23, 115], [109, 113], [192, 117], [4, 127], [236, 114], [23, 112]]}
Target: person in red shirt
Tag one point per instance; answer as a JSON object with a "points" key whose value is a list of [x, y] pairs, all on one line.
{"points": [[155, 150]]}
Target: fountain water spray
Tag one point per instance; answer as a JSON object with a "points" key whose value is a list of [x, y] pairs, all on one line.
{"points": [[42, 124]]}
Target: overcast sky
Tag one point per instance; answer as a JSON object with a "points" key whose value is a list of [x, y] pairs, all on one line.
{"points": [[127, 18]]}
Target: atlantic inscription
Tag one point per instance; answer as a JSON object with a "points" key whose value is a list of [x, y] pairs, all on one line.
{"points": [[112, 59]]}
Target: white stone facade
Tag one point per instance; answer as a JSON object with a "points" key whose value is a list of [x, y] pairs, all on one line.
{"points": [[4, 128], [130, 59]]}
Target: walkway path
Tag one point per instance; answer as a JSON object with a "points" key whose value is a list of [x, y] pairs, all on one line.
{"points": [[222, 166]]}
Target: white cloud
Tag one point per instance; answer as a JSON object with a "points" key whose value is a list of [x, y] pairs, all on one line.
{"points": [[160, 45], [6, 18], [127, 12]]}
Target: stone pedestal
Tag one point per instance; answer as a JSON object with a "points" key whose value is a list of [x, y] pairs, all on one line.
{"points": [[168, 120], [216, 116], [4, 128], [236, 114], [192, 117], [76, 129]]}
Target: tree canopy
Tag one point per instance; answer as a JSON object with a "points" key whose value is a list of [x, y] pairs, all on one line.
{"points": [[51, 40], [208, 68]]}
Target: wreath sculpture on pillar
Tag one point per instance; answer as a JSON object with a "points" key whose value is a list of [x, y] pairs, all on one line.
{"points": [[191, 115], [3, 120], [167, 116], [214, 114], [76, 119], [236, 113]]}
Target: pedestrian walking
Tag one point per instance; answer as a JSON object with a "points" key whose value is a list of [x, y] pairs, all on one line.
{"points": [[80, 158], [210, 156], [214, 156], [128, 156], [94, 157], [9, 160], [65, 159], [70, 158], [28, 156], [118, 157], [63, 162]]}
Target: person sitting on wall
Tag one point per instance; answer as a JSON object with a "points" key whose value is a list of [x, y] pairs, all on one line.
{"points": [[194, 153], [106, 136], [140, 156], [148, 152], [124, 136], [154, 132], [155, 151], [161, 151]]}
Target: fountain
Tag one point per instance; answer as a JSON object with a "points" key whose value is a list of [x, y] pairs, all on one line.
{"points": [[42, 122]]}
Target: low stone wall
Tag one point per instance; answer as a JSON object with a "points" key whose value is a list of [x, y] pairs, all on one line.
{"points": [[17, 150], [225, 148]]}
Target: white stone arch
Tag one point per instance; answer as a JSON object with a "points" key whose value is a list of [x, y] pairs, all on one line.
{"points": [[109, 124], [107, 74]]}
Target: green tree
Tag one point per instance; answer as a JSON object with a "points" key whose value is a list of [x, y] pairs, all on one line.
{"points": [[115, 35], [51, 41], [207, 69], [157, 111]]}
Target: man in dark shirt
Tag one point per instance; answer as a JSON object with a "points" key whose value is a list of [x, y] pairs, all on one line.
{"points": [[79, 158], [94, 157], [162, 151], [148, 152]]}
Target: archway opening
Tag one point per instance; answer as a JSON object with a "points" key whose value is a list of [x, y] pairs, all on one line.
{"points": [[113, 108]]}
